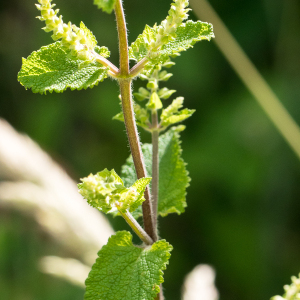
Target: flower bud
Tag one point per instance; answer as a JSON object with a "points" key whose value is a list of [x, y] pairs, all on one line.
{"points": [[73, 38]]}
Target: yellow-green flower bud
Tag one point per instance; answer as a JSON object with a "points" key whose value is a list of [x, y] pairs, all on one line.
{"points": [[166, 30], [152, 85], [71, 36]]}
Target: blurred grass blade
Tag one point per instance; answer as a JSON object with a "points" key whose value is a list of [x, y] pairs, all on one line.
{"points": [[250, 76], [69, 269]]}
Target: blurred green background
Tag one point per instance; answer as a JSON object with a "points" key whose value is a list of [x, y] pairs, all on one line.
{"points": [[243, 202]]}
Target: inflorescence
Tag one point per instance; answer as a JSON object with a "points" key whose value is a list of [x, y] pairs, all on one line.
{"points": [[166, 30], [72, 37]]}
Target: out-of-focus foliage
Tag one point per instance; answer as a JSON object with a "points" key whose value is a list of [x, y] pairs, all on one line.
{"points": [[243, 203]]}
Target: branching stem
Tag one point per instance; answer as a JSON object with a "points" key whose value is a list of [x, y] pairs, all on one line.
{"points": [[125, 88]]}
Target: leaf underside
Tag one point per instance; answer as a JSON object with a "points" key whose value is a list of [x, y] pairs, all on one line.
{"points": [[173, 176], [187, 34], [123, 271], [52, 68]]}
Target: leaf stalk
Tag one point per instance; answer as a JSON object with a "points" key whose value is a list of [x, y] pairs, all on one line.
{"points": [[136, 227], [136, 69], [113, 70]]}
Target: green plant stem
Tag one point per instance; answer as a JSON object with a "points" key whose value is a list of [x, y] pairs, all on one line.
{"points": [[136, 227], [113, 70], [130, 123], [137, 155], [123, 42], [136, 69], [155, 165]]}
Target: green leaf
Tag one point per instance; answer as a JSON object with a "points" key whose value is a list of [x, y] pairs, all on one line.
{"points": [[89, 34], [106, 192], [139, 186], [52, 68], [187, 34], [154, 102], [105, 5], [173, 175], [165, 93], [126, 272], [139, 48], [172, 114]]}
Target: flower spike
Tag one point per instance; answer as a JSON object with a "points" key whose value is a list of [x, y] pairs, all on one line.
{"points": [[78, 40], [166, 30]]}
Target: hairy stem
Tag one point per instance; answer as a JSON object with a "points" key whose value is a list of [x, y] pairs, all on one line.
{"points": [[135, 147], [136, 227], [123, 42], [130, 124], [155, 165], [136, 69], [113, 70]]}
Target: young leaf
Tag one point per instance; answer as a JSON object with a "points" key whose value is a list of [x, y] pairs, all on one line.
{"points": [[154, 102], [52, 69], [187, 34], [126, 272], [173, 175], [89, 35], [105, 5], [172, 114], [139, 48], [106, 192], [165, 93]]}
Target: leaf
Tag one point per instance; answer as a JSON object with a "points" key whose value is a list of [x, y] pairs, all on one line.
{"points": [[154, 102], [172, 114], [187, 34], [105, 5], [89, 34], [173, 175], [52, 68], [106, 192], [139, 186], [126, 272], [139, 49]]}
